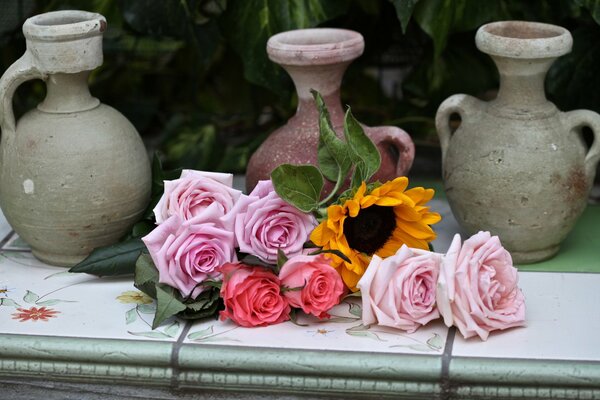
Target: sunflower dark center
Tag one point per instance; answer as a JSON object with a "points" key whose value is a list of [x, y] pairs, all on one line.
{"points": [[370, 229]]}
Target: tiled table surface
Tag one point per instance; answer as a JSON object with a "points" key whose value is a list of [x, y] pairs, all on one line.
{"points": [[93, 335]]}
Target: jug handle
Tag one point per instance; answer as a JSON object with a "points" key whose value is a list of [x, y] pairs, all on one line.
{"points": [[580, 118], [461, 104], [398, 139], [20, 71]]}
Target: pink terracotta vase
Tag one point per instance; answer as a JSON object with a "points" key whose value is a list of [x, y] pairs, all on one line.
{"points": [[317, 59]]}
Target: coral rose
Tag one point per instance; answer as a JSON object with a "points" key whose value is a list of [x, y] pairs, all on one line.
{"points": [[477, 290], [321, 285], [265, 223], [186, 253], [399, 291], [252, 296], [193, 192]]}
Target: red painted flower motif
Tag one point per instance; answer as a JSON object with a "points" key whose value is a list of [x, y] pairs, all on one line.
{"points": [[34, 314]]}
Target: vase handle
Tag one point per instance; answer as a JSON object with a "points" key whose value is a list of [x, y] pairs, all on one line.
{"points": [[20, 71], [397, 143], [576, 119], [461, 104]]}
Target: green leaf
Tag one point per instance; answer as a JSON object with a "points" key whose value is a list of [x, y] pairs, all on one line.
{"points": [[52, 302], [142, 228], [281, 259], [167, 304], [30, 297], [334, 161], [299, 185], [363, 152], [154, 335], [201, 333], [593, 6], [145, 271], [172, 329], [130, 316], [9, 302], [248, 24], [116, 259], [404, 10]]}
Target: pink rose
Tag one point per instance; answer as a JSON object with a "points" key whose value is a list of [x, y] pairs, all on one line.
{"points": [[477, 289], [252, 296], [322, 286], [186, 253], [399, 291], [193, 192], [265, 223]]}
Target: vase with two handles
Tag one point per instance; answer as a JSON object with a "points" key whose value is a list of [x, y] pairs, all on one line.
{"points": [[74, 173], [516, 165]]}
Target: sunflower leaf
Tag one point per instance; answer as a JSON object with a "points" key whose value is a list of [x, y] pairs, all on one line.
{"points": [[299, 185], [363, 153], [333, 153]]}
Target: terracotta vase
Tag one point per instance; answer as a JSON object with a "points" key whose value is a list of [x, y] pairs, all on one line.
{"points": [[517, 166], [74, 173], [317, 59]]}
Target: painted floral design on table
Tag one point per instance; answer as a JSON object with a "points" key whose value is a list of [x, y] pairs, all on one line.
{"points": [[34, 314], [145, 305]]}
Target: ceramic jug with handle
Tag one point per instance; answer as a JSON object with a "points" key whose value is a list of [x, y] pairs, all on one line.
{"points": [[74, 173], [317, 59], [517, 166]]}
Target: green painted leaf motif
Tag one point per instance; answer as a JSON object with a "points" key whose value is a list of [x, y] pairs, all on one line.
{"points": [[366, 334], [52, 302], [435, 342], [116, 259], [338, 319], [299, 185], [172, 329], [166, 304], [404, 10], [333, 153], [415, 347], [201, 333], [146, 308], [145, 271], [9, 302], [355, 309], [151, 334], [130, 316], [363, 152], [30, 297], [248, 25]]}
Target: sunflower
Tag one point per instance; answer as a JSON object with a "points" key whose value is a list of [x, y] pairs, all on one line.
{"points": [[378, 222]]}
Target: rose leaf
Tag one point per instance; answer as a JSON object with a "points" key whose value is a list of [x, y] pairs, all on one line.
{"points": [[166, 304], [116, 259]]}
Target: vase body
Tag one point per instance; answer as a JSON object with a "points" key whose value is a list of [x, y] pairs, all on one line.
{"points": [[517, 166], [74, 173], [317, 59]]}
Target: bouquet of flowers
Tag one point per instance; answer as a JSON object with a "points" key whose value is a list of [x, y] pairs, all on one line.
{"points": [[287, 247]]}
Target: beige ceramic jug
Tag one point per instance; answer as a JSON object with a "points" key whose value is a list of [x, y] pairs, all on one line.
{"points": [[74, 173], [517, 166]]}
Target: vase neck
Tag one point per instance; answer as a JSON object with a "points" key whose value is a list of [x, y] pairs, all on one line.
{"points": [[522, 81], [67, 93], [326, 79]]}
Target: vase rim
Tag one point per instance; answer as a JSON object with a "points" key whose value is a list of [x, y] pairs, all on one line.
{"points": [[64, 25], [315, 46], [523, 39]]}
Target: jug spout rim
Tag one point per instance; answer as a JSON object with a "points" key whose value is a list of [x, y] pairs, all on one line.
{"points": [[63, 25]]}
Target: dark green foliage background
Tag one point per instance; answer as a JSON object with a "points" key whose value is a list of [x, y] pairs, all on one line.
{"points": [[194, 77]]}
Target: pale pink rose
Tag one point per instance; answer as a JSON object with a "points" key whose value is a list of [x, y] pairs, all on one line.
{"points": [[265, 223], [477, 289], [252, 296], [321, 285], [399, 291], [186, 253], [193, 192]]}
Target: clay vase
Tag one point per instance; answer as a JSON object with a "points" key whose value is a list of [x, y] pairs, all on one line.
{"points": [[74, 173], [317, 59], [517, 166]]}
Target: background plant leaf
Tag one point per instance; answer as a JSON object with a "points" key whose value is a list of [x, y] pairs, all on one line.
{"points": [[299, 185], [404, 10]]}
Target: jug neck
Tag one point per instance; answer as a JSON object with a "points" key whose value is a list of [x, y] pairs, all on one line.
{"points": [[327, 80], [522, 81], [67, 93]]}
